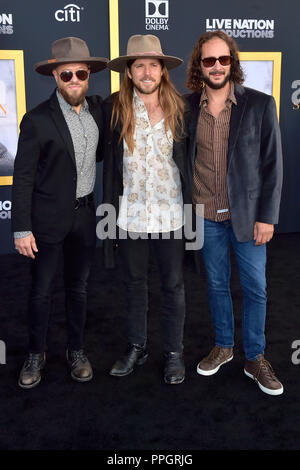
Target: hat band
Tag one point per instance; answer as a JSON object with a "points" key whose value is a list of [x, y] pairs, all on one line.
{"points": [[150, 53]]}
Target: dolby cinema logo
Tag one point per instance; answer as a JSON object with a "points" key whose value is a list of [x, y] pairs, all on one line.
{"points": [[156, 15]]}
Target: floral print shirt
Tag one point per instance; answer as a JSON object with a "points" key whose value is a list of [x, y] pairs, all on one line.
{"points": [[152, 197]]}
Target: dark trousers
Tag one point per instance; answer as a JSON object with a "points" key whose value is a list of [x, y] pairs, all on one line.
{"points": [[169, 256], [78, 250]]}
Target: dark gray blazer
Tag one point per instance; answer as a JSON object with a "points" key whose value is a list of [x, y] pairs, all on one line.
{"points": [[254, 160]]}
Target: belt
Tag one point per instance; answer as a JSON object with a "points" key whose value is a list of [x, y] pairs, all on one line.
{"points": [[83, 201]]}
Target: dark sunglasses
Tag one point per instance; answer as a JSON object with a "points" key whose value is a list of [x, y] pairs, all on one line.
{"points": [[67, 75], [210, 61]]}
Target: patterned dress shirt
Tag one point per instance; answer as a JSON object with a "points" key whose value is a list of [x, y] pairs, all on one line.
{"points": [[152, 197]]}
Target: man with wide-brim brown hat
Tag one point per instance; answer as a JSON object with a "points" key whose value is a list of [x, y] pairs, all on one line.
{"points": [[69, 50], [53, 210], [143, 46], [145, 166]]}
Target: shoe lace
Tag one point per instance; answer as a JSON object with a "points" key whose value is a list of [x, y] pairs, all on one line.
{"points": [[215, 353], [76, 356], [265, 367], [33, 360]]}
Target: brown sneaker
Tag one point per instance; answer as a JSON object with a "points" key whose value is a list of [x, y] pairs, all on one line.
{"points": [[216, 358], [261, 371]]}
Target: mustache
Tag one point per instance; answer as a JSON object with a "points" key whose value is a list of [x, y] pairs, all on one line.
{"points": [[221, 72]]}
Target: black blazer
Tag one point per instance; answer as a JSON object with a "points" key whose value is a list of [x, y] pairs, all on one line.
{"points": [[113, 170], [254, 159], [45, 176]]}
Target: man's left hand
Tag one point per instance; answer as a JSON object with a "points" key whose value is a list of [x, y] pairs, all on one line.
{"points": [[263, 233]]}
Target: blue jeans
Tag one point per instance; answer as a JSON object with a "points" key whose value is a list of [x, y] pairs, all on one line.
{"points": [[251, 260]]}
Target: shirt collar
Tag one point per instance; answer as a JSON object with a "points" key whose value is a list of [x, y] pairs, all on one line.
{"points": [[65, 106], [136, 99], [230, 98]]}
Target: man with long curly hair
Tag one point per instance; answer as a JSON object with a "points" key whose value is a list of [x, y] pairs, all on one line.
{"points": [[145, 179], [236, 165]]}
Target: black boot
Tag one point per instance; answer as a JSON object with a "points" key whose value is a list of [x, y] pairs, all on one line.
{"points": [[81, 369], [135, 354], [30, 375], [174, 371]]}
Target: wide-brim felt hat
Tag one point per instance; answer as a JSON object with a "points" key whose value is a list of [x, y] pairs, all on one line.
{"points": [[142, 46], [70, 50]]}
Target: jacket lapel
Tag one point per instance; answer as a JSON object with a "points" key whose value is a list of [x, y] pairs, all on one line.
{"points": [[61, 125], [237, 113], [118, 146], [194, 101]]}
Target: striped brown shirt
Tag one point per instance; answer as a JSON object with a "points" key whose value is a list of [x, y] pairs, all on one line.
{"points": [[210, 168]]}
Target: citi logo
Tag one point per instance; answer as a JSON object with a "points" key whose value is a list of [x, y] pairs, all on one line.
{"points": [[157, 8], [6, 19], [70, 12]]}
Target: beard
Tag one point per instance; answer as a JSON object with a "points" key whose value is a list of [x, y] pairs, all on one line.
{"points": [[216, 86], [145, 91], [73, 100]]}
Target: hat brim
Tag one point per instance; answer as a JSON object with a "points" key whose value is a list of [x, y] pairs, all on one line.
{"points": [[119, 64], [96, 64]]}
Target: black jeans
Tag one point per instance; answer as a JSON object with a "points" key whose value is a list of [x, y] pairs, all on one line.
{"points": [[169, 256], [78, 250]]}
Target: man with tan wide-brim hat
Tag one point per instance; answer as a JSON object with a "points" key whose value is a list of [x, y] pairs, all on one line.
{"points": [[145, 166], [53, 211], [143, 46]]}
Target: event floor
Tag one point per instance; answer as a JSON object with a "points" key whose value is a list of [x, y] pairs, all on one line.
{"points": [[225, 411]]}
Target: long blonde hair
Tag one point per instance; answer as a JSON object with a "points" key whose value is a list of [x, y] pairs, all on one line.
{"points": [[170, 102]]}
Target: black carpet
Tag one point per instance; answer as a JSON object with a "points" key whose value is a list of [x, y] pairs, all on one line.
{"points": [[226, 411]]}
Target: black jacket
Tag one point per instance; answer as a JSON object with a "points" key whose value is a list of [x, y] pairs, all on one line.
{"points": [[45, 176], [254, 159], [113, 170]]}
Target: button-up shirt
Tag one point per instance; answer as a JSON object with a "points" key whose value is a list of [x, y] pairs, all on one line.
{"points": [[152, 197], [85, 135], [210, 169]]}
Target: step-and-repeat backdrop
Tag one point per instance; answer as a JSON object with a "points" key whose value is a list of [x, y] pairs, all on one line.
{"points": [[267, 34]]}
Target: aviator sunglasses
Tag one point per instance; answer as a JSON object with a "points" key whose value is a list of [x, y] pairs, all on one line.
{"points": [[210, 61], [67, 75]]}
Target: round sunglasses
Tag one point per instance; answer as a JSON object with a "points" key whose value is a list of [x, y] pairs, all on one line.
{"points": [[67, 75], [210, 61]]}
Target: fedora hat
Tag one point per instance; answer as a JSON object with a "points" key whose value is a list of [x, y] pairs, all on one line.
{"points": [[70, 50], [142, 46]]}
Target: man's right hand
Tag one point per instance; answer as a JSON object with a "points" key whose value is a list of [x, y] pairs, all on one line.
{"points": [[26, 246]]}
